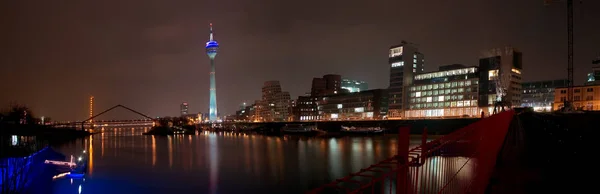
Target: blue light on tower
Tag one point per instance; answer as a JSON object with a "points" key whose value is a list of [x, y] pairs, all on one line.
{"points": [[211, 50]]}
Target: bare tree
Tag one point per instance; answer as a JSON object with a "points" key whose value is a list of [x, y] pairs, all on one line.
{"points": [[16, 164], [15, 174]]}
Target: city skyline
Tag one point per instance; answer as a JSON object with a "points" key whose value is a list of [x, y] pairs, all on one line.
{"points": [[151, 65]]}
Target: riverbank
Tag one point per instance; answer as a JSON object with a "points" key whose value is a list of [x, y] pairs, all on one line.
{"points": [[23, 140], [434, 126]]}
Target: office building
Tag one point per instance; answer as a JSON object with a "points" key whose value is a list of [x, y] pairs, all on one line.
{"points": [[540, 94], [354, 85], [584, 97], [500, 78], [405, 62], [306, 109], [365, 105], [183, 108], [450, 92], [275, 104], [327, 85]]}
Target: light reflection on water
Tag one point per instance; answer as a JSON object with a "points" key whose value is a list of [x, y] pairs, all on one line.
{"points": [[211, 162]]}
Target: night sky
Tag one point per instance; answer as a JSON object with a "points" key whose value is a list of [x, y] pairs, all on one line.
{"points": [[149, 54]]}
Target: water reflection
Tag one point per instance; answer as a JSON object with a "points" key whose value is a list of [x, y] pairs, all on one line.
{"points": [[213, 161], [220, 162], [91, 157], [153, 151], [170, 147]]}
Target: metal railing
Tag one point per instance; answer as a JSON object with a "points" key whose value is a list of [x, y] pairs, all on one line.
{"points": [[460, 162]]}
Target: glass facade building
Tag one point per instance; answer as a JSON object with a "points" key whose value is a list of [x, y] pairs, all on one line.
{"points": [[450, 92], [540, 95]]}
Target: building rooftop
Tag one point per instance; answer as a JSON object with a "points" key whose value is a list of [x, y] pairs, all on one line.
{"points": [[581, 86], [404, 43]]}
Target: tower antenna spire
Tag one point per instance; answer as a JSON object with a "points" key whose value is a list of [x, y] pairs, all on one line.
{"points": [[211, 32]]}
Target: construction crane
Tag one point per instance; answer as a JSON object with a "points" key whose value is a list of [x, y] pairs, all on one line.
{"points": [[568, 105]]}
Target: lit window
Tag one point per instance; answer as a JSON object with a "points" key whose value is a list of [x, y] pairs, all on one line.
{"points": [[516, 71], [339, 106], [396, 51], [429, 99], [398, 64], [492, 74], [440, 98], [334, 116], [418, 94]]}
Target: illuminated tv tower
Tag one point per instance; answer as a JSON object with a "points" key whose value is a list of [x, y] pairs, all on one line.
{"points": [[211, 50], [91, 107]]}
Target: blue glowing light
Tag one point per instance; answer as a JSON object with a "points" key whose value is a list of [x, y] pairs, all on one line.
{"points": [[212, 44]]}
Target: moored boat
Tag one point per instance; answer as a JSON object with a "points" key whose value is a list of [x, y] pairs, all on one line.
{"points": [[362, 130], [299, 129]]}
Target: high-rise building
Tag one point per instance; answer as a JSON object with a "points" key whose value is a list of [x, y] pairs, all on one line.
{"points": [[184, 109], [211, 50], [540, 94], [328, 85], [449, 92], [500, 75], [354, 85], [275, 104], [405, 62]]}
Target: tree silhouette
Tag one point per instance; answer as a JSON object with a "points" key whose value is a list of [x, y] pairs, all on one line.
{"points": [[18, 114]]}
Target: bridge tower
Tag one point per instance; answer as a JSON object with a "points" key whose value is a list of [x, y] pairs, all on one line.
{"points": [[91, 108], [211, 50]]}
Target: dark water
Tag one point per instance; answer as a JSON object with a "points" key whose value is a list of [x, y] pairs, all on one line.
{"points": [[124, 161]]}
